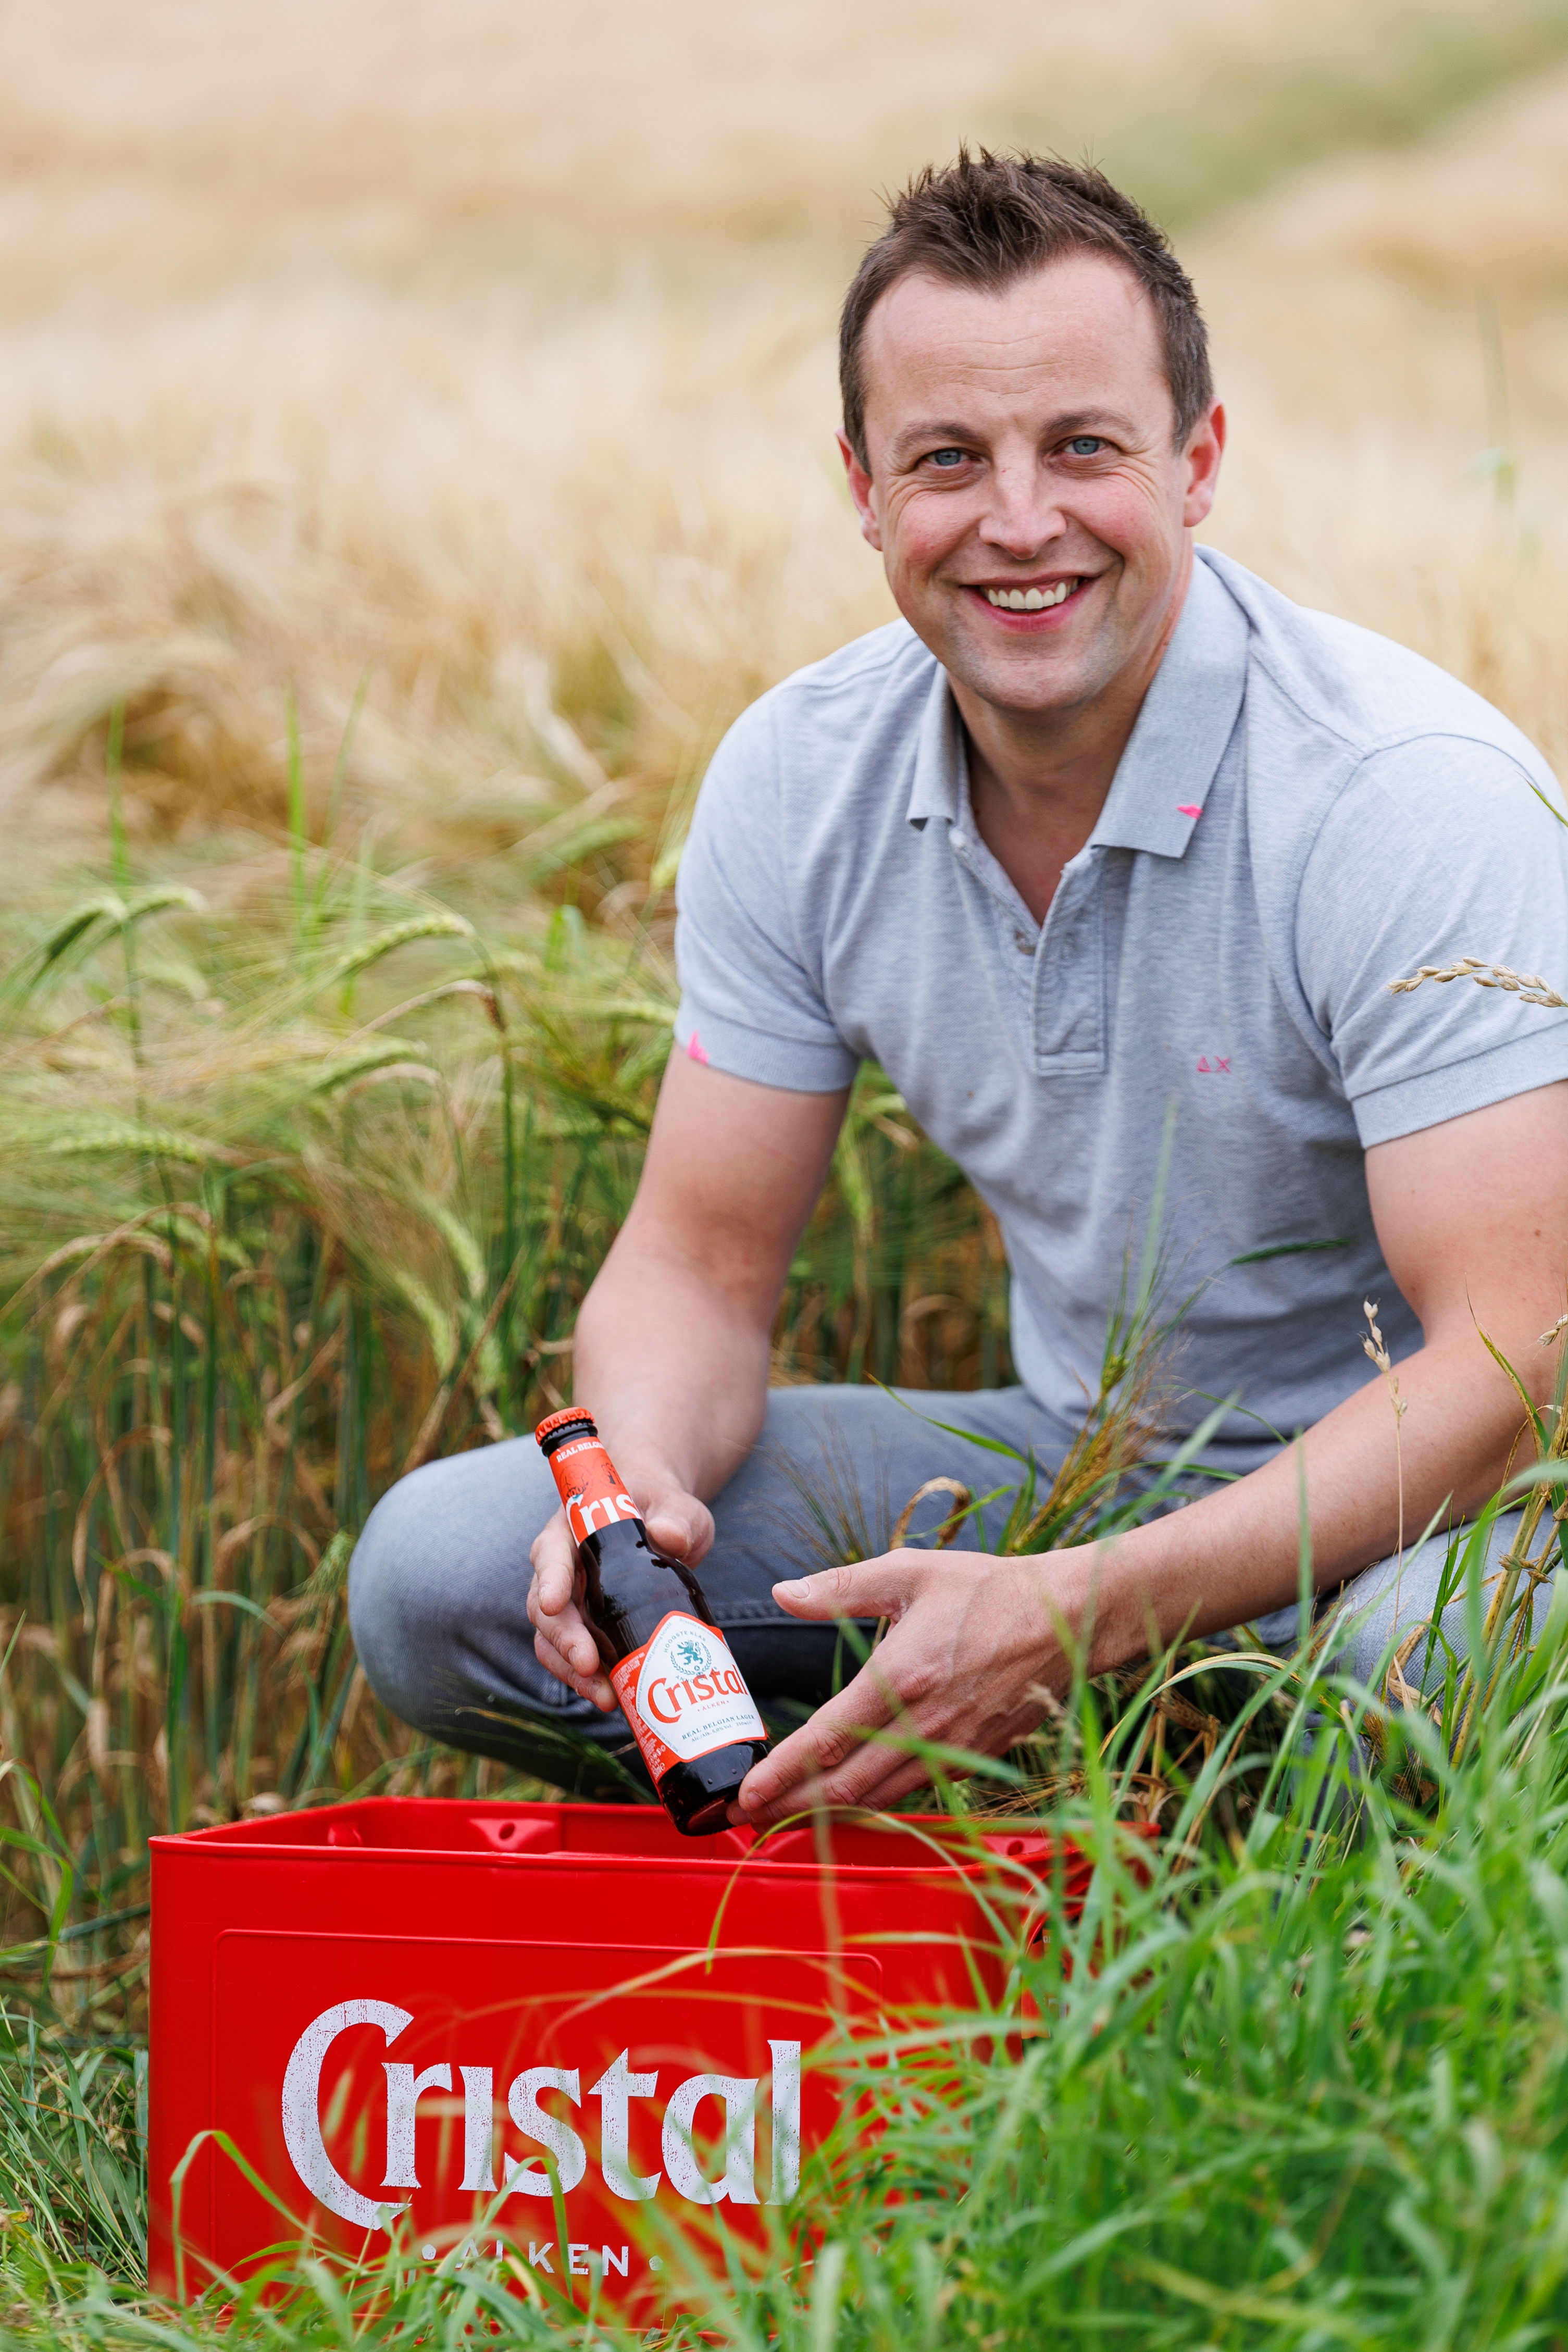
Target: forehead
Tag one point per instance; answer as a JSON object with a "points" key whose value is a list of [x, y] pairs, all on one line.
{"points": [[1079, 332]]}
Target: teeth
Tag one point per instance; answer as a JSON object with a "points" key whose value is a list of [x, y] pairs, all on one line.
{"points": [[1029, 600]]}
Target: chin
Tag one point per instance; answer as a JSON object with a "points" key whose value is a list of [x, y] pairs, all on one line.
{"points": [[1032, 689]]}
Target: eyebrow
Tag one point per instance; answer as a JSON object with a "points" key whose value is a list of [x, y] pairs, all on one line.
{"points": [[937, 432]]}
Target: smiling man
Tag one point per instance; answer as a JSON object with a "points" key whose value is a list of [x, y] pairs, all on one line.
{"points": [[1103, 841]]}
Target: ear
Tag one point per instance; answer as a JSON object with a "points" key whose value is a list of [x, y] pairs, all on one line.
{"points": [[1204, 449], [860, 490]]}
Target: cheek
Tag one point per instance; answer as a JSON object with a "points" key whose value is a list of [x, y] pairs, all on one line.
{"points": [[919, 531], [1130, 512]]}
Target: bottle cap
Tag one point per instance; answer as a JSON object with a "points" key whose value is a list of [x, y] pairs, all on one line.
{"points": [[573, 1412]]}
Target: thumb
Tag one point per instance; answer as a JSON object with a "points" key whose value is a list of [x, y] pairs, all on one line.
{"points": [[679, 1523], [862, 1588]]}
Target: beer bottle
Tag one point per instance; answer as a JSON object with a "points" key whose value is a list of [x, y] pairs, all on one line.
{"points": [[669, 1666]]}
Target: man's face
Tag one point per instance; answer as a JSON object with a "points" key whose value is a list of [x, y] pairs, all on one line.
{"points": [[1022, 448]]}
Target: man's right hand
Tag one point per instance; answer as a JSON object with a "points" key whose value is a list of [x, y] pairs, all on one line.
{"points": [[671, 1345], [675, 1522]]}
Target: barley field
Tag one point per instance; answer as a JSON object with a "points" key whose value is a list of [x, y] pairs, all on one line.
{"points": [[416, 447]]}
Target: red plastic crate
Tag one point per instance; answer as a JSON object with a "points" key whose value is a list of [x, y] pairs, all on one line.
{"points": [[400, 2009]]}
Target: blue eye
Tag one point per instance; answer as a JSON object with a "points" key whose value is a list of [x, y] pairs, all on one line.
{"points": [[946, 459], [1086, 444]]}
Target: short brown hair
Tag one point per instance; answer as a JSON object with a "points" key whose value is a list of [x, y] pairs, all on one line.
{"points": [[987, 220]]}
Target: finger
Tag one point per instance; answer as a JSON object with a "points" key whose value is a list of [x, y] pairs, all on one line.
{"points": [[594, 1687], [576, 1648], [565, 1630], [877, 1776], [903, 1774], [569, 1640], [820, 1748], [553, 1597], [553, 1556], [680, 1525], [896, 1775], [862, 1588]]}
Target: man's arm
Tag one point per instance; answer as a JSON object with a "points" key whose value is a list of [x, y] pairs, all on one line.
{"points": [[671, 1352], [1473, 1220]]}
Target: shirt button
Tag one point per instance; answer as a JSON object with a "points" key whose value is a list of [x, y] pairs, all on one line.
{"points": [[1023, 943]]}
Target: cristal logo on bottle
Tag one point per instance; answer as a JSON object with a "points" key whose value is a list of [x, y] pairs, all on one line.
{"points": [[583, 1510], [589, 1488], [683, 1694], [690, 1656]]}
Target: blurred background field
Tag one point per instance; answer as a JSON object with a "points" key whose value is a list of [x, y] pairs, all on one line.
{"points": [[416, 447]]}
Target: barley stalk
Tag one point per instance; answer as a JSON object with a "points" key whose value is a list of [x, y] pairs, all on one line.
{"points": [[1528, 987]]}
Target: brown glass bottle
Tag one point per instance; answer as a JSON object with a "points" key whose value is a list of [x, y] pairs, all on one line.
{"points": [[679, 1688]]}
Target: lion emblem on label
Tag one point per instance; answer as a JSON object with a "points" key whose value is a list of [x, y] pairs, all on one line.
{"points": [[690, 1654]]}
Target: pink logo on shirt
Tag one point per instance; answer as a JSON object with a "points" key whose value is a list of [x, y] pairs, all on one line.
{"points": [[695, 1050], [1187, 808]]}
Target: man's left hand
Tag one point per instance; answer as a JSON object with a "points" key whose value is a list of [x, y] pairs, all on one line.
{"points": [[971, 1641]]}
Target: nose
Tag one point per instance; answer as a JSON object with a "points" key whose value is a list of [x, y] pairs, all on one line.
{"points": [[1025, 513]]}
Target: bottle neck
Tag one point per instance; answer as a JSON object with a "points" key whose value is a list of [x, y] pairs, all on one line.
{"points": [[591, 1494], [560, 1429]]}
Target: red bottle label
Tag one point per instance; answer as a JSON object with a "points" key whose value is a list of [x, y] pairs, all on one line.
{"points": [[589, 1488], [683, 1694]]}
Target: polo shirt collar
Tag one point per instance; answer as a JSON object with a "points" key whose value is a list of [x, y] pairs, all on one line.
{"points": [[941, 766], [1172, 755], [1188, 717]]}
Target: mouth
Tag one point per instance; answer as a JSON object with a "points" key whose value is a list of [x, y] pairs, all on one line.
{"points": [[1032, 604]]}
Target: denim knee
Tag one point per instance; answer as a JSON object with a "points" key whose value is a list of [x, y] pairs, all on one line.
{"points": [[393, 1615]]}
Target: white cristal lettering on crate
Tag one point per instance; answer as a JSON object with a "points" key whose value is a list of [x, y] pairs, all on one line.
{"points": [[616, 2087], [301, 2108]]}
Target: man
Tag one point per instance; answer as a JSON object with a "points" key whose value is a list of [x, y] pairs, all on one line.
{"points": [[1104, 840]]}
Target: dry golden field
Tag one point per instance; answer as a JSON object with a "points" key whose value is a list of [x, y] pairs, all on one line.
{"points": [[488, 349]]}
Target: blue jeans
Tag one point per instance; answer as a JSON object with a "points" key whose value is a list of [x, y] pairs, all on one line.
{"points": [[438, 1585]]}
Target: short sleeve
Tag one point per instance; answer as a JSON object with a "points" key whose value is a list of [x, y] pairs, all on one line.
{"points": [[751, 1001], [1437, 848]]}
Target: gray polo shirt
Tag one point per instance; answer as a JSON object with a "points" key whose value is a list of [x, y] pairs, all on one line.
{"points": [[1304, 813]]}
